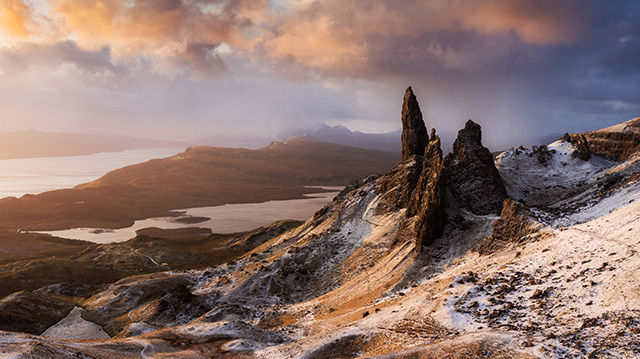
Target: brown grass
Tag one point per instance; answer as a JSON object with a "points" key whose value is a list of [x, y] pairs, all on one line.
{"points": [[200, 176]]}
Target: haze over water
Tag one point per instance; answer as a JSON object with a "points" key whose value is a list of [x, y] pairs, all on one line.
{"points": [[36, 175]]}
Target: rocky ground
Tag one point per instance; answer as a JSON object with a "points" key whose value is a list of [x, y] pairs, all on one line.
{"points": [[542, 267]]}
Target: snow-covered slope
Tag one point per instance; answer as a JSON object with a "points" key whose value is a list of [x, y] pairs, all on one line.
{"points": [[354, 281], [544, 175]]}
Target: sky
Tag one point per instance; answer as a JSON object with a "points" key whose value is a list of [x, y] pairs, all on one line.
{"points": [[183, 69]]}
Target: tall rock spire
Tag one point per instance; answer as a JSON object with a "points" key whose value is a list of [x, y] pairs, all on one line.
{"points": [[472, 176], [414, 133]]}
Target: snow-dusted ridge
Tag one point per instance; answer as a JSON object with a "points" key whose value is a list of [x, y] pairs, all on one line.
{"points": [[544, 175], [354, 282]]}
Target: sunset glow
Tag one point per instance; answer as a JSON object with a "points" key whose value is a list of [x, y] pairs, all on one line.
{"points": [[251, 66]]}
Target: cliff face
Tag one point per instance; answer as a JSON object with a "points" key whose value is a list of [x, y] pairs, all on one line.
{"points": [[414, 133], [430, 196], [473, 177], [619, 142], [420, 182]]}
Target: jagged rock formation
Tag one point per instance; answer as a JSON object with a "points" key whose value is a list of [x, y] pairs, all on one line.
{"points": [[33, 313], [419, 182], [581, 145], [430, 195], [512, 226], [354, 282], [414, 133], [619, 142], [472, 175], [398, 185]]}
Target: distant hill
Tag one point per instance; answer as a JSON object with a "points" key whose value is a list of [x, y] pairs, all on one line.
{"points": [[29, 144], [389, 141], [250, 142], [200, 176]]}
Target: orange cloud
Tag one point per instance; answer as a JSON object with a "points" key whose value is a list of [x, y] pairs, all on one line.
{"points": [[327, 37], [547, 22], [159, 27], [16, 18], [337, 37]]}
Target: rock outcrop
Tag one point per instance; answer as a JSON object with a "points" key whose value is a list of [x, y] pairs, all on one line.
{"points": [[33, 313], [429, 198], [414, 133], [619, 142], [398, 185], [512, 226], [581, 145], [419, 182], [472, 175]]}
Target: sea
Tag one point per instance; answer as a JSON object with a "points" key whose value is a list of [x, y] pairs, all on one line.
{"points": [[36, 175]]}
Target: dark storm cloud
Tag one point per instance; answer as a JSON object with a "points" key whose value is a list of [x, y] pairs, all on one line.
{"points": [[516, 66]]}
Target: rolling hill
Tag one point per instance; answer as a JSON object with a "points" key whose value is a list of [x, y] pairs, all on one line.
{"points": [[199, 176]]}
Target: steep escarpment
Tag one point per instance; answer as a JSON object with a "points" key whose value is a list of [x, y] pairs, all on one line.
{"points": [[619, 142]]}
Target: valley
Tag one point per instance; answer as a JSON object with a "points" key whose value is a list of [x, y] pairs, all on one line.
{"points": [[532, 254]]}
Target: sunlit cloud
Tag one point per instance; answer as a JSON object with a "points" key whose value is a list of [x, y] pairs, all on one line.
{"points": [[16, 18], [513, 65], [326, 37]]}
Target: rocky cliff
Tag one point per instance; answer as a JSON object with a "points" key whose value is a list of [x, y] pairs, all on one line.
{"points": [[473, 177], [619, 142], [397, 266], [419, 183], [414, 133]]}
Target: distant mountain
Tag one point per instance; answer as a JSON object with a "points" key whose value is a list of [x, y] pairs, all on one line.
{"points": [[250, 142], [389, 141], [431, 260], [29, 144], [200, 176]]}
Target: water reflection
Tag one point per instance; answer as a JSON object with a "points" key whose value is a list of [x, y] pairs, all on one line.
{"points": [[223, 219]]}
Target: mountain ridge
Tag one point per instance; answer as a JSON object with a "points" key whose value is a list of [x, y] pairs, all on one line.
{"points": [[34, 144], [549, 274]]}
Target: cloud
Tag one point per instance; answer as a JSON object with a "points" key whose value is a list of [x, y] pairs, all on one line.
{"points": [[16, 18], [337, 38], [545, 22], [302, 38], [172, 33], [513, 65]]}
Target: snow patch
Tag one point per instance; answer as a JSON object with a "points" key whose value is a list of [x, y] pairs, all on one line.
{"points": [[74, 327]]}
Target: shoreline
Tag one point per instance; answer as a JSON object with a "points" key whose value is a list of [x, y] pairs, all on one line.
{"points": [[225, 218]]}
